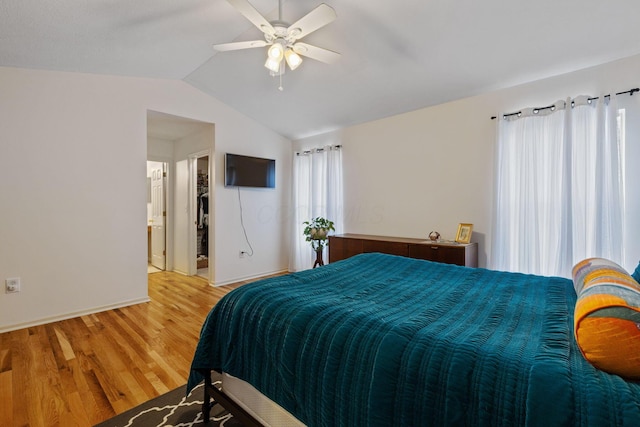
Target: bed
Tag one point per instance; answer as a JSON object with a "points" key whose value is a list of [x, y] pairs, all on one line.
{"points": [[382, 340]]}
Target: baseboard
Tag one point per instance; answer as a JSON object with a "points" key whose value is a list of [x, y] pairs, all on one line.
{"points": [[51, 319], [245, 278]]}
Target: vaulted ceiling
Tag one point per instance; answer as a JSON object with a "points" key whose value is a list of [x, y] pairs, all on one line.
{"points": [[397, 56]]}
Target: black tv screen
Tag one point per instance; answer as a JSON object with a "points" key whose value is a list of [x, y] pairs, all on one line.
{"points": [[246, 171]]}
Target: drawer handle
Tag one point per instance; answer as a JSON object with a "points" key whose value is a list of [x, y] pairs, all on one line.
{"points": [[435, 248]]}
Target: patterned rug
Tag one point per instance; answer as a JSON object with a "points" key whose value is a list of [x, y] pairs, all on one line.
{"points": [[173, 409]]}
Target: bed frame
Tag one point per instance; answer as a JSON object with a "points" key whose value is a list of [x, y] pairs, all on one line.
{"points": [[213, 395]]}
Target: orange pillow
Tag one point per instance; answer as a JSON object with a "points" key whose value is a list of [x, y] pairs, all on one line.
{"points": [[607, 316]]}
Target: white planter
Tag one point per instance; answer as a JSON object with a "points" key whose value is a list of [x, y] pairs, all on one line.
{"points": [[319, 233]]}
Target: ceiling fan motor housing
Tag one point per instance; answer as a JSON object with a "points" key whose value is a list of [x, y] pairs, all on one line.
{"points": [[280, 27]]}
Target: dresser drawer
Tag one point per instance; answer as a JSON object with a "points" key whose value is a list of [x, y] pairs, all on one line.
{"points": [[391, 248], [438, 253]]}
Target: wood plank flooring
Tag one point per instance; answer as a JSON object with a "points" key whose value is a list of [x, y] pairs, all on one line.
{"points": [[82, 371]]}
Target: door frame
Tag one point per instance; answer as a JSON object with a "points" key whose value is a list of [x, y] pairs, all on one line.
{"points": [[193, 213], [155, 236]]}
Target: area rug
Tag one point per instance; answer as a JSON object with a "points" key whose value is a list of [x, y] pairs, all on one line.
{"points": [[173, 409]]}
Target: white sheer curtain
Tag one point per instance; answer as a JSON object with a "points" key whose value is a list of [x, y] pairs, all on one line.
{"points": [[597, 202], [317, 191], [558, 195]]}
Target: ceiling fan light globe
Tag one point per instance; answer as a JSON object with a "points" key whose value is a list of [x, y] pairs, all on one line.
{"points": [[276, 51], [273, 64], [293, 59]]}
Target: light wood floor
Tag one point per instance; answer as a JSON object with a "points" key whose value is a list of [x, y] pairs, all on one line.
{"points": [[82, 371]]}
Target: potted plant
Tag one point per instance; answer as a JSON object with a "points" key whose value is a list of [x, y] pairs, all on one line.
{"points": [[317, 231]]}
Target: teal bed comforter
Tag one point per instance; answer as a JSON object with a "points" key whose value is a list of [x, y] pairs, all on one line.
{"points": [[381, 340]]}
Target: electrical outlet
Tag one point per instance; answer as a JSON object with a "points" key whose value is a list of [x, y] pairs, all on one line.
{"points": [[12, 285]]}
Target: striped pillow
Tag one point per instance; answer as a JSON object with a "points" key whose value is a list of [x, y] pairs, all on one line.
{"points": [[607, 316]]}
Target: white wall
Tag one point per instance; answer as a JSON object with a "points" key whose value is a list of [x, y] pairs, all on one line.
{"points": [[160, 150], [431, 169], [181, 218], [74, 230], [264, 214]]}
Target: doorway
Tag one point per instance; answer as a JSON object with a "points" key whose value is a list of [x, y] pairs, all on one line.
{"points": [[202, 229], [156, 216], [186, 148]]}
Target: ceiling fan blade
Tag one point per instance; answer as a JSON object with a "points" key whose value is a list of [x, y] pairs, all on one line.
{"points": [[250, 12], [317, 18], [317, 53], [224, 47]]}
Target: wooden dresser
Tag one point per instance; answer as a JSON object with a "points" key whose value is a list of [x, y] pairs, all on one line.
{"points": [[343, 246]]}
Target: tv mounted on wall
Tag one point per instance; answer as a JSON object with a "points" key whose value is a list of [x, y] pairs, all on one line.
{"points": [[246, 171]]}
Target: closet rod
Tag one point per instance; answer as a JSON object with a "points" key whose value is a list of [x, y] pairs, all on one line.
{"points": [[630, 92]]}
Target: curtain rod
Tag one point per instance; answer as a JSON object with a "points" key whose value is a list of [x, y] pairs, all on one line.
{"points": [[630, 92], [319, 150]]}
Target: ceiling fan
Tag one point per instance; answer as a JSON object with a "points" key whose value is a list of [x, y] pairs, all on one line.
{"points": [[283, 38]]}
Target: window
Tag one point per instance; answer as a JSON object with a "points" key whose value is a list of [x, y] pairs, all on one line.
{"points": [[317, 191], [559, 187]]}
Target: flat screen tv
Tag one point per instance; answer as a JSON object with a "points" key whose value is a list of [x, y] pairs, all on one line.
{"points": [[246, 171]]}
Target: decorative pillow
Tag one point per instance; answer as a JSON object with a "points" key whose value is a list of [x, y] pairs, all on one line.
{"points": [[607, 316], [636, 274]]}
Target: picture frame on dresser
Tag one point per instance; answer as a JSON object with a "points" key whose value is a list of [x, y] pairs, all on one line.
{"points": [[464, 233]]}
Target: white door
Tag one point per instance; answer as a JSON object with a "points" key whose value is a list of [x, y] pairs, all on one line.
{"points": [[158, 216]]}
